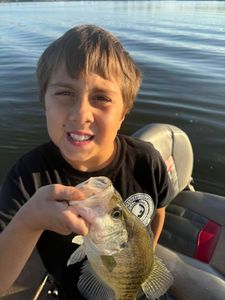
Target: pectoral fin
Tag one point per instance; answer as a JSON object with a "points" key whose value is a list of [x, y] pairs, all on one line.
{"points": [[77, 256], [158, 281], [78, 239], [109, 262]]}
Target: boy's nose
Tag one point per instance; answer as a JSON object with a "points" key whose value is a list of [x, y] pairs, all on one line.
{"points": [[82, 111]]}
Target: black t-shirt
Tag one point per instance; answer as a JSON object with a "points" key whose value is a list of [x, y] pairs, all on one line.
{"points": [[137, 172]]}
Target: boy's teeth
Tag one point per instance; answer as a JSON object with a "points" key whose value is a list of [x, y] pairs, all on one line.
{"points": [[77, 137]]}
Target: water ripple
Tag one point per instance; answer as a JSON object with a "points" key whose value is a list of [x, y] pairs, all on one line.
{"points": [[178, 45]]}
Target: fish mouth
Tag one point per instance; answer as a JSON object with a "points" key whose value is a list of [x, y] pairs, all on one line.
{"points": [[102, 238], [111, 243]]}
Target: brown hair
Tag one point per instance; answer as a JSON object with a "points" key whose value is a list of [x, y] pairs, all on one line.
{"points": [[85, 49]]}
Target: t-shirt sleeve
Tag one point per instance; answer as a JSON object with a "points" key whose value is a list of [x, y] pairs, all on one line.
{"points": [[162, 181], [12, 196], [151, 172]]}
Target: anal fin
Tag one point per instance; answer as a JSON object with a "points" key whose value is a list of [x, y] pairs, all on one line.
{"points": [[158, 281], [91, 286]]}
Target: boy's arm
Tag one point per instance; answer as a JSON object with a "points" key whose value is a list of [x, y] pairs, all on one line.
{"points": [[46, 210], [157, 224], [16, 245]]}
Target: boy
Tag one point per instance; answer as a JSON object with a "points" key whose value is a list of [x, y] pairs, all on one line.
{"points": [[87, 84]]}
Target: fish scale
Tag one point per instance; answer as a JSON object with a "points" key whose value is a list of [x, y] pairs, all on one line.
{"points": [[120, 252], [125, 279]]}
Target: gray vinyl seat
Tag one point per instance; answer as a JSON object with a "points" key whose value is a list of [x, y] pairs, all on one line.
{"points": [[192, 243]]}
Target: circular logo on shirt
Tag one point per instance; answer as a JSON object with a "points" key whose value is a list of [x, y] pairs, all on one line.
{"points": [[141, 205]]}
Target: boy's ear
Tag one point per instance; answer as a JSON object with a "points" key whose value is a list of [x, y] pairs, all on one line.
{"points": [[42, 102], [123, 116], [43, 105]]}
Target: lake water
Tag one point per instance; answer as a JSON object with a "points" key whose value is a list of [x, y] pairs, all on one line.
{"points": [[179, 46]]}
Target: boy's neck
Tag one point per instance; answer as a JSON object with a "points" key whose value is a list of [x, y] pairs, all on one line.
{"points": [[94, 164]]}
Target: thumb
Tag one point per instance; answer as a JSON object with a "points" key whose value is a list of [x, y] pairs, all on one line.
{"points": [[68, 193]]}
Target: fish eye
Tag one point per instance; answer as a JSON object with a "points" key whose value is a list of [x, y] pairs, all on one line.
{"points": [[116, 213]]}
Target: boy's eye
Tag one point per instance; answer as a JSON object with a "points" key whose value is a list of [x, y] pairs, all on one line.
{"points": [[64, 93], [102, 98]]}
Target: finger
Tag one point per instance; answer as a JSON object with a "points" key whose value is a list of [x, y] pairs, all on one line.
{"points": [[83, 227], [68, 193], [76, 223]]}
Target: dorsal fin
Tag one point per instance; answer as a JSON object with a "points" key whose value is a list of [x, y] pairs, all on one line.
{"points": [[91, 286]]}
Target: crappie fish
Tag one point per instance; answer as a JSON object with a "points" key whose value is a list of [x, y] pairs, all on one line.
{"points": [[121, 263]]}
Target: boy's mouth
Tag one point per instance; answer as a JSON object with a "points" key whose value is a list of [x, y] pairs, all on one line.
{"points": [[79, 137]]}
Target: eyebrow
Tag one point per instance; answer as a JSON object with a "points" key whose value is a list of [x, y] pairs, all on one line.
{"points": [[103, 90], [71, 86], [62, 84]]}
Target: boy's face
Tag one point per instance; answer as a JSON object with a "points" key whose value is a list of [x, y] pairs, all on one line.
{"points": [[83, 117]]}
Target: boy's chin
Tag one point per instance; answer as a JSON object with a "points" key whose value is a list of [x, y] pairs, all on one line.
{"points": [[78, 161]]}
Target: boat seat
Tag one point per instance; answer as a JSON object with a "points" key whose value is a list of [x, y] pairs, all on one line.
{"points": [[27, 285], [193, 237], [176, 150], [193, 279]]}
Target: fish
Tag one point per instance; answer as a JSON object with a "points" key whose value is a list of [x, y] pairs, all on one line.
{"points": [[121, 264]]}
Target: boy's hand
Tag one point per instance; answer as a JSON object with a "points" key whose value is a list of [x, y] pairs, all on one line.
{"points": [[49, 209]]}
